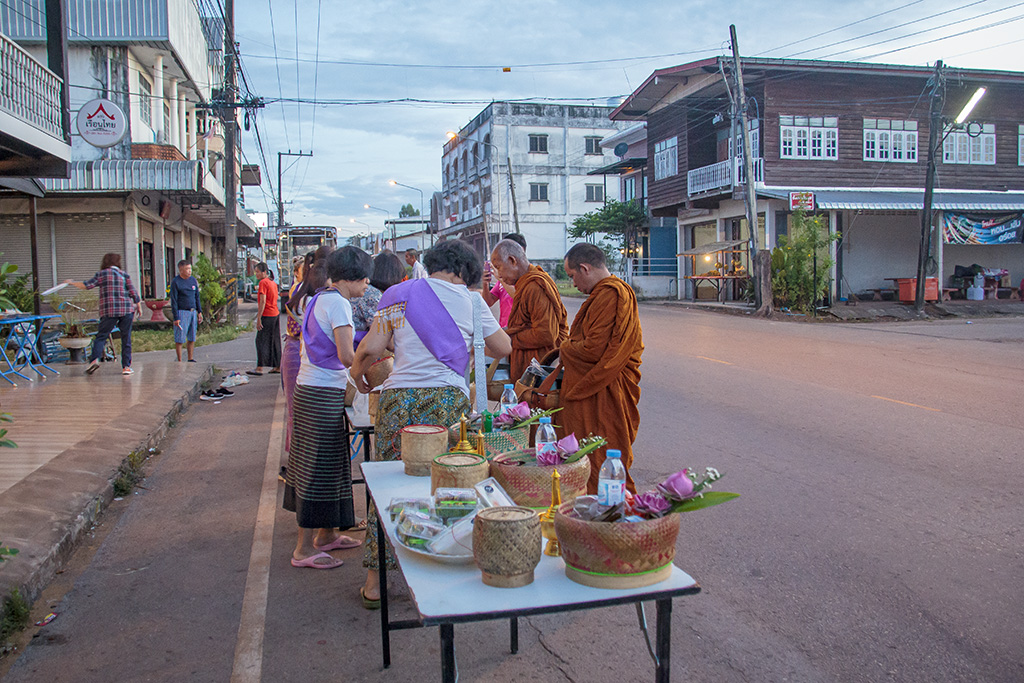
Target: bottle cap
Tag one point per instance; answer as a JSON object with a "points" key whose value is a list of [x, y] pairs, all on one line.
{"points": [[510, 386], [545, 420], [612, 453]]}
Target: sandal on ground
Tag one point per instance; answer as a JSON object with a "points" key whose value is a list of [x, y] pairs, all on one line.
{"points": [[340, 543], [311, 562], [254, 373], [367, 602], [274, 372], [361, 526]]}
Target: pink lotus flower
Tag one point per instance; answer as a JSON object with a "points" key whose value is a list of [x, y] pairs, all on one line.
{"points": [[568, 445], [677, 487], [516, 413], [549, 458], [650, 504]]}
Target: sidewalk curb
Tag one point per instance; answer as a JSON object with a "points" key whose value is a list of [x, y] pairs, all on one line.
{"points": [[48, 513]]}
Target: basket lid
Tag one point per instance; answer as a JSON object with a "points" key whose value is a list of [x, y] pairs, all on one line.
{"points": [[459, 459], [506, 514], [423, 429]]}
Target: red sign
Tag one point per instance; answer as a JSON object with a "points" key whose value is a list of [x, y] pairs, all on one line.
{"points": [[801, 201]]}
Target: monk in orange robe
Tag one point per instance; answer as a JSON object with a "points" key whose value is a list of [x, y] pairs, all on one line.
{"points": [[537, 323], [601, 384]]}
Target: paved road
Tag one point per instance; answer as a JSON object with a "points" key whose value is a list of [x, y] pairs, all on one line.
{"points": [[877, 537]]}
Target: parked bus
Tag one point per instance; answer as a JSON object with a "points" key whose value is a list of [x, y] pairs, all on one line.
{"points": [[298, 241]]}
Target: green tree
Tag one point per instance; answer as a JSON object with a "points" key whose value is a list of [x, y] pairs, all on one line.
{"points": [[796, 283], [407, 211], [620, 221], [209, 287]]}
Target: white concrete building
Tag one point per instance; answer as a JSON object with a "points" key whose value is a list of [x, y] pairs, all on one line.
{"points": [[549, 149]]}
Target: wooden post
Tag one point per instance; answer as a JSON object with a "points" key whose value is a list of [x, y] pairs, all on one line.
{"points": [[512, 187]]}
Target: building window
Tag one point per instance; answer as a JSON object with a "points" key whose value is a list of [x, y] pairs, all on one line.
{"points": [[465, 203], [962, 147], [665, 158], [809, 137], [538, 192], [1020, 145], [145, 101], [539, 144], [455, 167], [476, 199], [595, 193], [629, 188], [890, 140], [593, 145], [167, 124], [476, 154]]}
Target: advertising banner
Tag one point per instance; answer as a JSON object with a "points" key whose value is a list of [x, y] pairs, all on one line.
{"points": [[960, 228]]}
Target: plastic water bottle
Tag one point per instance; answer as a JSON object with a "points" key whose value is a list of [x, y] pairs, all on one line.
{"points": [[546, 441], [611, 481], [508, 398]]}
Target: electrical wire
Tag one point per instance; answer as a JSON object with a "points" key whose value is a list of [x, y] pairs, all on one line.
{"points": [[316, 78], [277, 67], [839, 28]]}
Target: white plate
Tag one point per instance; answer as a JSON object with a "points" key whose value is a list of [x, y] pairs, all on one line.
{"points": [[443, 559]]}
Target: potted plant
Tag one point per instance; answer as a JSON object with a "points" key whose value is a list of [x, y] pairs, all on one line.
{"points": [[157, 306], [72, 326]]}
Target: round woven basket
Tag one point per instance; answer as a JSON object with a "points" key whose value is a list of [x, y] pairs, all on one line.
{"points": [[617, 554], [420, 445], [457, 471], [530, 485], [379, 371], [506, 545]]}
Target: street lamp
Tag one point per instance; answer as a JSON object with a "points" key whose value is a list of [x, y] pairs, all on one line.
{"points": [[395, 182], [497, 194], [394, 237]]}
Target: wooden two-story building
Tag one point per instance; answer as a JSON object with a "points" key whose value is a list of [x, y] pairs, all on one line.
{"points": [[856, 136]]}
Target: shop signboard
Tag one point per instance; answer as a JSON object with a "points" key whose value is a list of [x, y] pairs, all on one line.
{"points": [[801, 201], [101, 123], [960, 228]]}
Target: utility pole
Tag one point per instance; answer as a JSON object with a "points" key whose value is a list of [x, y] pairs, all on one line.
{"points": [[750, 196], [512, 187], [229, 116], [934, 135], [280, 202]]}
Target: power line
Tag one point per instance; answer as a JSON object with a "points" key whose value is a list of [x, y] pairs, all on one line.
{"points": [[839, 28], [316, 77], [277, 67], [954, 35]]}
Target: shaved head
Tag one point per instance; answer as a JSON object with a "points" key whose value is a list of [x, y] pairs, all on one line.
{"points": [[509, 261], [585, 253], [507, 248]]}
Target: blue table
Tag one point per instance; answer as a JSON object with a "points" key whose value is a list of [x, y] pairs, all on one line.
{"points": [[18, 331]]}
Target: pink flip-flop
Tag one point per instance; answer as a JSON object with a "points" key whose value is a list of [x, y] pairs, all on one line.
{"points": [[340, 543], [311, 562]]}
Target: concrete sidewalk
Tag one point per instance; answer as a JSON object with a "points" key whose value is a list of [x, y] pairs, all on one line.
{"points": [[73, 433]]}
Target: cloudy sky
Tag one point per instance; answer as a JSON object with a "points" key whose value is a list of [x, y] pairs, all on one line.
{"points": [[451, 53]]}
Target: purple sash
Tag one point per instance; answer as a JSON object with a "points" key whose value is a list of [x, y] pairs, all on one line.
{"points": [[430, 320], [320, 348]]}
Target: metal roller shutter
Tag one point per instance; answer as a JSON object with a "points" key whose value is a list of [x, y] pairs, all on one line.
{"points": [[16, 246], [83, 239]]}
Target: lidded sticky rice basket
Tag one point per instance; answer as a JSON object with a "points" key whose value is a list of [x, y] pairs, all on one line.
{"points": [[457, 471], [497, 440], [530, 484], [420, 445], [617, 554], [506, 545]]}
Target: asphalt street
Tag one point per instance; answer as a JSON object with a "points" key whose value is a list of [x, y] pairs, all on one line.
{"points": [[877, 536]]}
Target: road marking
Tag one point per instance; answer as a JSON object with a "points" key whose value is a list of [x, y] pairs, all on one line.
{"points": [[714, 360], [248, 667], [904, 403]]}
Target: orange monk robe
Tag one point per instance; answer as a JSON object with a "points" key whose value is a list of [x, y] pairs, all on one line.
{"points": [[537, 322], [601, 384]]}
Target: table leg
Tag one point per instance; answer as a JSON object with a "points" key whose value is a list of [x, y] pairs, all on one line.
{"points": [[448, 653], [663, 644], [382, 570], [513, 634]]}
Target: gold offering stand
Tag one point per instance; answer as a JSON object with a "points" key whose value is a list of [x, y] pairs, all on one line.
{"points": [[547, 518]]}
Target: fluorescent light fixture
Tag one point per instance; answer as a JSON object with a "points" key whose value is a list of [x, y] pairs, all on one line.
{"points": [[966, 111]]}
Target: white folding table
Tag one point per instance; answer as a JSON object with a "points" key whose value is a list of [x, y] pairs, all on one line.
{"points": [[447, 594]]}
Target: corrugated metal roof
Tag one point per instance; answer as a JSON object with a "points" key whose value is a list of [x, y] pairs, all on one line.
{"points": [[712, 247], [906, 200], [89, 21], [126, 175]]}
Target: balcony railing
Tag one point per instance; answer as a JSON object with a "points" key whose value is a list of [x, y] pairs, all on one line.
{"points": [[722, 176], [28, 90]]}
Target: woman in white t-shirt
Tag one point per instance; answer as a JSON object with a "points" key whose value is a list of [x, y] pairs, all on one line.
{"points": [[318, 479], [429, 323]]}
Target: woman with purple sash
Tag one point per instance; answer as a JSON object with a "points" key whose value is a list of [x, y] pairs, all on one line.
{"points": [[318, 479], [293, 338], [429, 323]]}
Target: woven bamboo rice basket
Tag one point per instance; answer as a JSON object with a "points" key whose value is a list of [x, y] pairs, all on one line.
{"points": [[529, 485], [498, 440], [379, 371], [617, 554], [420, 445], [507, 545], [457, 471]]}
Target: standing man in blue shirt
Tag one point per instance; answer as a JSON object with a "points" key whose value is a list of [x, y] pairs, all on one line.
{"points": [[186, 309]]}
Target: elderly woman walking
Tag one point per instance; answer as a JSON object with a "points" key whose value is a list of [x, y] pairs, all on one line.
{"points": [[119, 302], [429, 322], [318, 482]]}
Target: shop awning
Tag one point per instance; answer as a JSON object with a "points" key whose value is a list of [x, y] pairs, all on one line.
{"points": [[712, 248], [621, 167], [904, 200]]}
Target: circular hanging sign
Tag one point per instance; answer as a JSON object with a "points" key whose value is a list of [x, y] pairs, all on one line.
{"points": [[101, 123]]}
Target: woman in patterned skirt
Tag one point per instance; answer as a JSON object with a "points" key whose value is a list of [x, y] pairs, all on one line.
{"points": [[429, 322], [318, 482]]}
